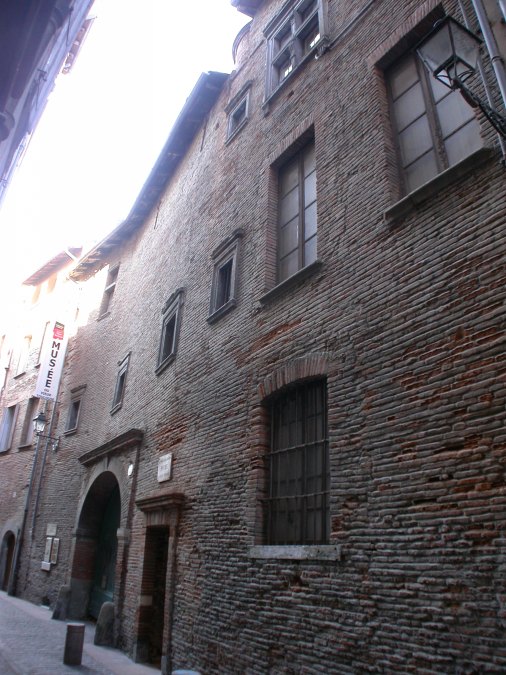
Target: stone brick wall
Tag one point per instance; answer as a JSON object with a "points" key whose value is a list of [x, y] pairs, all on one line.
{"points": [[406, 321]]}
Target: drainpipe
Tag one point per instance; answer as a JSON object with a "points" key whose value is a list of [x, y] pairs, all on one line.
{"points": [[44, 456], [491, 44], [19, 541], [488, 92], [502, 5]]}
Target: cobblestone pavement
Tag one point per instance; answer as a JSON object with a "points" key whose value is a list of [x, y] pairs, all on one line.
{"points": [[32, 643]]}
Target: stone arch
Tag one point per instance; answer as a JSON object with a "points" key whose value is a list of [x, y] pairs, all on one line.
{"points": [[7, 550], [94, 564]]}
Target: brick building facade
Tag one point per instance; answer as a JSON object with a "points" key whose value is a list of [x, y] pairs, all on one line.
{"points": [[290, 451]]}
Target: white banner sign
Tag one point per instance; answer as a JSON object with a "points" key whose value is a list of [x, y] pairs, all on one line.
{"points": [[52, 364]]}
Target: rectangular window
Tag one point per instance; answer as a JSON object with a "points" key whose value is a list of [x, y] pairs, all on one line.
{"points": [[110, 287], [74, 410], [23, 355], [224, 286], [434, 127], [291, 36], [298, 467], [171, 319], [119, 390], [297, 213], [42, 340], [31, 412], [7, 427]]}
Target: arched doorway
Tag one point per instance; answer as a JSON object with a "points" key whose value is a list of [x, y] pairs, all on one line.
{"points": [[6, 558], [94, 564]]}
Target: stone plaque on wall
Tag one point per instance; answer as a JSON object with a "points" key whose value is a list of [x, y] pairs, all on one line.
{"points": [[165, 467]]}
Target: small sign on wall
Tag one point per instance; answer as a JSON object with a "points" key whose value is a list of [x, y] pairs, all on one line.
{"points": [[165, 467], [50, 553]]}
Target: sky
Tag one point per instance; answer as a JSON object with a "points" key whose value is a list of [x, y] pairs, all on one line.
{"points": [[106, 123]]}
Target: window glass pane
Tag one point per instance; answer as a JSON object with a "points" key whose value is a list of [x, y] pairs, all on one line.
{"points": [[309, 159], [310, 188], [289, 206], [310, 221], [288, 178], [402, 76], [453, 112], [310, 251], [289, 265], [289, 237], [409, 106], [282, 37], [463, 142], [415, 140], [421, 171], [168, 337], [224, 284], [439, 90]]}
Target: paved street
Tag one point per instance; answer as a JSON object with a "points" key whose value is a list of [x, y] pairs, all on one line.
{"points": [[32, 643]]}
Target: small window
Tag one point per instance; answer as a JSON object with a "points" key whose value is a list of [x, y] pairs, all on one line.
{"points": [[224, 286], [292, 36], [433, 126], [119, 390], [297, 213], [238, 111], [42, 341], [31, 412], [171, 319], [297, 506], [23, 355], [109, 289], [74, 410], [7, 427]]}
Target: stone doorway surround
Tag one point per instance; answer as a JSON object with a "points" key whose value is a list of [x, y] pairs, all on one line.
{"points": [[114, 462], [161, 510]]}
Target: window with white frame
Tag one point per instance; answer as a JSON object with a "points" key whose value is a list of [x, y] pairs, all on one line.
{"points": [[7, 427], [292, 36], [119, 390], [171, 320], [434, 127], [224, 286]]}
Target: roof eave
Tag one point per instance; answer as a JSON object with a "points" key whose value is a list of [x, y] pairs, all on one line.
{"points": [[197, 106]]}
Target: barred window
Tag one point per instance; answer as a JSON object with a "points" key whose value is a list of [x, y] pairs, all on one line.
{"points": [[298, 467]]}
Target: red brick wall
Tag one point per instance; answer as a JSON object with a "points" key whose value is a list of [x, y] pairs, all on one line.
{"points": [[409, 322]]}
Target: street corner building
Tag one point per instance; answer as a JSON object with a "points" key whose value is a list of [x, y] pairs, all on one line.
{"points": [[280, 430]]}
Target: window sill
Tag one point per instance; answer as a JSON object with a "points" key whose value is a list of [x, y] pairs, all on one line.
{"points": [[103, 316], [291, 281], [165, 364], [416, 198], [19, 375], [71, 432], [221, 311], [116, 408], [296, 552], [25, 446]]}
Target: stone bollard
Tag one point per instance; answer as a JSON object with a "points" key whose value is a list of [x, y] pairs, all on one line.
{"points": [[74, 644]]}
